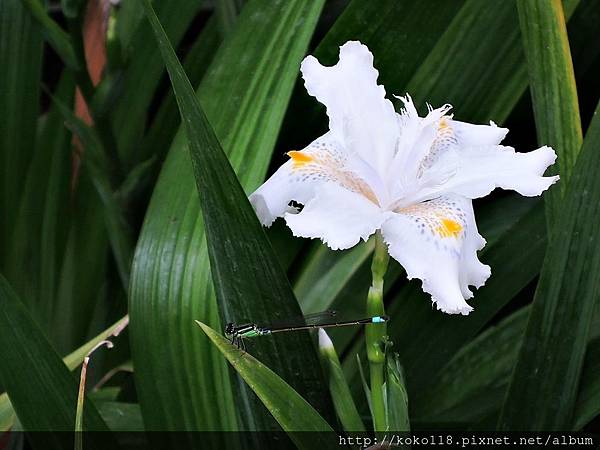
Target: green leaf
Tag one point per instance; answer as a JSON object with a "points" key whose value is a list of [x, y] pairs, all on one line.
{"points": [[284, 244], [244, 268], [394, 32], [41, 389], [166, 122], [543, 388], [552, 85], [38, 242], [54, 34], [96, 162], [144, 68], [120, 416], [171, 280], [325, 274], [290, 410], [106, 394], [75, 358], [338, 386], [363, 381], [80, 289], [138, 177], [20, 59], [580, 29], [7, 413], [227, 12], [588, 398], [72, 361], [71, 8], [486, 32], [473, 384], [396, 396]]}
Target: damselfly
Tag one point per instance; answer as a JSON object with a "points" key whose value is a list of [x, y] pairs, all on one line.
{"points": [[327, 319]]}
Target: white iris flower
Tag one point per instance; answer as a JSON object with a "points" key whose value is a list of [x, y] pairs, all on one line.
{"points": [[411, 177]]}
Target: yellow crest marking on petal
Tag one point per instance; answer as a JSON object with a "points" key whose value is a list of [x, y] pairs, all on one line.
{"points": [[449, 228], [325, 165], [444, 138], [300, 158]]}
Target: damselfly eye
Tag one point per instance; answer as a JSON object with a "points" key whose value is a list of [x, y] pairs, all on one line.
{"points": [[229, 328]]}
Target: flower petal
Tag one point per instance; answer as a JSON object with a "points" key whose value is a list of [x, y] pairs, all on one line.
{"points": [[339, 217], [469, 135], [422, 141], [437, 241], [323, 161], [360, 117], [438, 155], [479, 170]]}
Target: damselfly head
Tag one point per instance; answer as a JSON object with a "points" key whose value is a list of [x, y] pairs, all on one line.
{"points": [[229, 328]]}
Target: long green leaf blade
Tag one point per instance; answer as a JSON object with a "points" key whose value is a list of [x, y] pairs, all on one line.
{"points": [[144, 69], [544, 384], [291, 411], [472, 386], [396, 396], [96, 162], [227, 12], [37, 242], [588, 398], [7, 413], [552, 85], [20, 59], [42, 390], [72, 361], [171, 282], [79, 288], [340, 392], [57, 38], [121, 416], [164, 126]]}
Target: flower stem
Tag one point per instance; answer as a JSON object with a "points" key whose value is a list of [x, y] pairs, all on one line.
{"points": [[376, 333]]}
